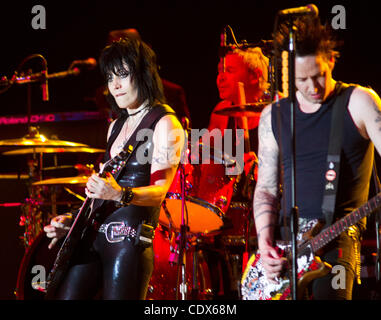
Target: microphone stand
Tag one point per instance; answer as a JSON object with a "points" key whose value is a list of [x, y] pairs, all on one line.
{"points": [[377, 186], [294, 209], [183, 238], [292, 98], [183, 228]]}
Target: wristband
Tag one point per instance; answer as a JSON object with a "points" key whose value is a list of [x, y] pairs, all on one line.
{"points": [[127, 196]]}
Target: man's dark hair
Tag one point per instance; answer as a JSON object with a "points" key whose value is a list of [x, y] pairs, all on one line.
{"points": [[311, 38], [141, 61]]}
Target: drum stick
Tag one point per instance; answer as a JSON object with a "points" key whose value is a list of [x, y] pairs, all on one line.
{"points": [[242, 103]]}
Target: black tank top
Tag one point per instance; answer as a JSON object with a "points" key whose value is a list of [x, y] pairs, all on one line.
{"points": [[134, 174], [312, 132]]}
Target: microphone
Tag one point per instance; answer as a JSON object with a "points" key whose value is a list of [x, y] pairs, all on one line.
{"points": [[308, 9], [223, 49], [223, 38], [44, 85], [89, 63]]}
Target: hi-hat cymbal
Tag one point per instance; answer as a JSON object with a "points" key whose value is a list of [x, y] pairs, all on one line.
{"points": [[247, 110], [78, 180], [52, 150], [39, 141]]}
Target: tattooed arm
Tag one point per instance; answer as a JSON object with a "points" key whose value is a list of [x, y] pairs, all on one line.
{"points": [[266, 196], [168, 140], [365, 108]]}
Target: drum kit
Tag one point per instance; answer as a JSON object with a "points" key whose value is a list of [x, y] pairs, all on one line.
{"points": [[49, 194], [200, 198]]}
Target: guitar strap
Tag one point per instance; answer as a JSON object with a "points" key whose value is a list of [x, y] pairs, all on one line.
{"points": [[148, 122], [344, 92]]}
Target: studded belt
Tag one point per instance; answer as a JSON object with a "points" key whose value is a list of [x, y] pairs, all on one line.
{"points": [[118, 231]]}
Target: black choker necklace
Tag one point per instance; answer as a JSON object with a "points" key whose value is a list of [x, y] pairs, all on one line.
{"points": [[132, 114]]}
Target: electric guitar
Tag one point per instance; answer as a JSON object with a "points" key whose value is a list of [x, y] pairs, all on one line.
{"points": [[81, 224], [254, 284]]}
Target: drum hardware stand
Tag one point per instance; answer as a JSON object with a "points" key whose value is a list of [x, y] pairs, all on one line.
{"points": [[169, 217], [78, 196], [195, 287]]}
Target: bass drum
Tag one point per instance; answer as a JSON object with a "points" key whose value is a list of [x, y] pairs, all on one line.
{"points": [[35, 267], [164, 280]]}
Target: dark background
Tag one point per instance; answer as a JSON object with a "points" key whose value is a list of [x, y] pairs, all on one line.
{"points": [[184, 34]]}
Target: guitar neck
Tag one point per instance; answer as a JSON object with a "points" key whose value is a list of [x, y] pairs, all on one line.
{"points": [[333, 231]]}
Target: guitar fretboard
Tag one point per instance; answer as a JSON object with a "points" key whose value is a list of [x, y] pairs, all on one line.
{"points": [[331, 232]]}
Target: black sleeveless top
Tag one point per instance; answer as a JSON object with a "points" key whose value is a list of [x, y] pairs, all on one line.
{"points": [[135, 174], [312, 131]]}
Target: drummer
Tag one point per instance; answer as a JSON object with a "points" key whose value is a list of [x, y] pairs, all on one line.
{"points": [[249, 67]]}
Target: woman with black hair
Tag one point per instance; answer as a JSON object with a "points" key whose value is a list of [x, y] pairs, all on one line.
{"points": [[118, 268]]}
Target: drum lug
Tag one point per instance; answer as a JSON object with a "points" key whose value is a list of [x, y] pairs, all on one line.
{"points": [[222, 201]]}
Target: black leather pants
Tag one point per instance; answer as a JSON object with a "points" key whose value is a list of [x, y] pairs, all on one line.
{"points": [[110, 271]]}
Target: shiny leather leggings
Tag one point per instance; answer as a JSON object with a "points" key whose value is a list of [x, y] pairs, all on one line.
{"points": [[110, 271]]}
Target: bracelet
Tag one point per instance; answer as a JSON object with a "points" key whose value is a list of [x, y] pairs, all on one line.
{"points": [[127, 196]]}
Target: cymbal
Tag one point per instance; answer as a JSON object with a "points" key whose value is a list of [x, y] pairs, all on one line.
{"points": [[78, 180], [15, 176], [53, 150], [39, 141], [247, 110]]}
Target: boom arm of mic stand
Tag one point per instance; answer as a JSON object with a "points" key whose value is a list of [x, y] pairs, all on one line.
{"points": [[37, 77]]}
